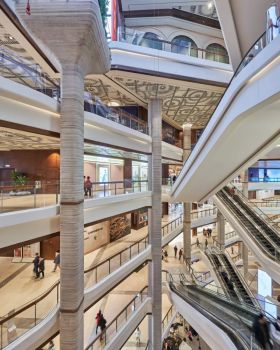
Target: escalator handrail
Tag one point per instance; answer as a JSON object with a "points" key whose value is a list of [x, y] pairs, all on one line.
{"points": [[248, 307], [276, 248], [227, 328], [250, 204]]}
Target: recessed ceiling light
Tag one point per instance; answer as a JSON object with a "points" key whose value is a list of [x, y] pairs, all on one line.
{"points": [[114, 104], [210, 4]]}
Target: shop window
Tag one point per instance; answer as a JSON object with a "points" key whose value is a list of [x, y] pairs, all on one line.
{"points": [[184, 45], [152, 41], [216, 52]]}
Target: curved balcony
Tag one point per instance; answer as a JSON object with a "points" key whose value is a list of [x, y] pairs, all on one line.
{"points": [[245, 125]]}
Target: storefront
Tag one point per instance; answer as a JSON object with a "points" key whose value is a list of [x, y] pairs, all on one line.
{"points": [[103, 169]]}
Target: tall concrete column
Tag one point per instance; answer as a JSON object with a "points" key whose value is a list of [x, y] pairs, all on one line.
{"points": [[221, 230], [187, 232], [155, 171], [71, 35], [245, 183], [245, 258], [71, 208]]}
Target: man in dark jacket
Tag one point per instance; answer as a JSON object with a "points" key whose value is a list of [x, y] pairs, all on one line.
{"points": [[41, 267], [261, 331], [36, 264]]}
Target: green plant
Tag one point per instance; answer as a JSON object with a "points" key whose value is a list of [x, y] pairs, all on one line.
{"points": [[18, 178]]}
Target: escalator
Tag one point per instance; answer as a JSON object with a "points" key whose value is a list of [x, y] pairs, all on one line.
{"points": [[263, 234], [242, 292], [233, 318]]}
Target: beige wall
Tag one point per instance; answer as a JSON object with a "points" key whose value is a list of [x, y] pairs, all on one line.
{"points": [[96, 236], [90, 170], [116, 172]]}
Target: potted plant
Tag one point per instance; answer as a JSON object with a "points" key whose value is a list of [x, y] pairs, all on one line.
{"points": [[18, 180]]}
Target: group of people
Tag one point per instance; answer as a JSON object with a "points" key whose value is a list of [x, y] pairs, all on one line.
{"points": [[39, 264], [207, 232], [100, 323], [180, 254], [87, 186]]}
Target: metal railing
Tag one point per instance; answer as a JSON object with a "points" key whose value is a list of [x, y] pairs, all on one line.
{"points": [[37, 194], [199, 214], [134, 37], [94, 105], [102, 339], [97, 272], [35, 311], [168, 316], [267, 204], [172, 225]]}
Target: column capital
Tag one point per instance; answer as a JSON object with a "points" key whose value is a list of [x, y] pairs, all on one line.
{"points": [[68, 32]]}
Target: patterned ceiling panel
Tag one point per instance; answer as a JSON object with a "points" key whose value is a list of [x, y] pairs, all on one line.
{"points": [[181, 104], [21, 140], [106, 92]]}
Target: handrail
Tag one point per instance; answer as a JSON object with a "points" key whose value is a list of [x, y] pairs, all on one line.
{"points": [[95, 267], [166, 317], [29, 304], [131, 305], [124, 34], [212, 317]]}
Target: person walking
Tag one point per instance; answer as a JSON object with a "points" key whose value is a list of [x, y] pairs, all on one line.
{"points": [[138, 336], [175, 251], [102, 324], [206, 243], [261, 332], [41, 267], [98, 317], [88, 186], [36, 264], [197, 242], [56, 260], [275, 333], [180, 254]]}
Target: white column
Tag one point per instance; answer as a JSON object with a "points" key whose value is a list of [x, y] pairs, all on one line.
{"points": [[245, 183], [221, 230], [187, 232], [155, 280], [71, 208]]}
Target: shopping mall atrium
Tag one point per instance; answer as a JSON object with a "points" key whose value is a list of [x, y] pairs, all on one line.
{"points": [[139, 174]]}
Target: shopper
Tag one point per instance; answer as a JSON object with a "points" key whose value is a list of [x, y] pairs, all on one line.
{"points": [[197, 242], [261, 331], [174, 178], [102, 325], [88, 186], [56, 260], [165, 256], [36, 264], [42, 267], [98, 317], [138, 336], [175, 251], [180, 254], [206, 243], [85, 189]]}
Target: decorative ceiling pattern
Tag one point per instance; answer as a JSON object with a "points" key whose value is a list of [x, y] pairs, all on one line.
{"points": [[11, 139], [181, 104], [106, 92]]}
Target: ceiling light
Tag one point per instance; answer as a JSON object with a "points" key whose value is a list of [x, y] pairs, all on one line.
{"points": [[210, 5], [11, 37], [113, 104]]}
